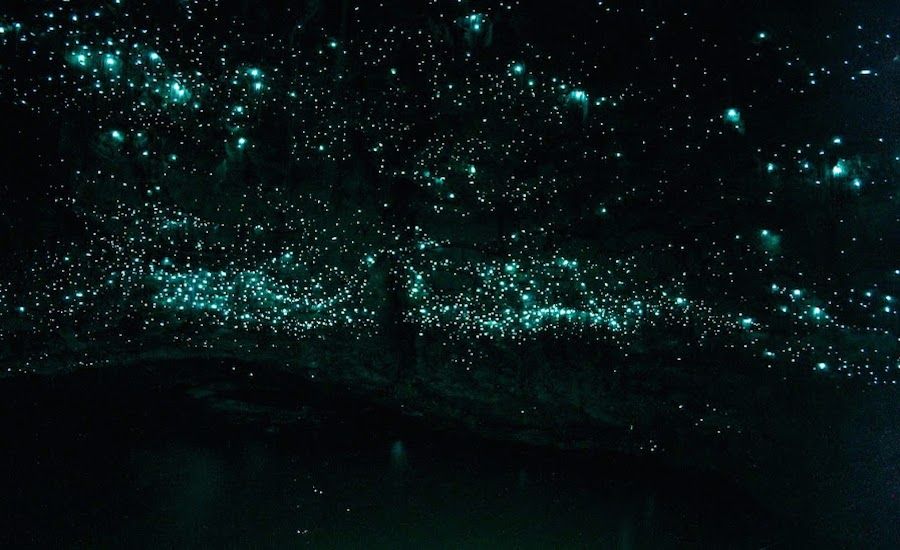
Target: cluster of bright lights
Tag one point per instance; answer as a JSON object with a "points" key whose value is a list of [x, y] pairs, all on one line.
{"points": [[504, 193]]}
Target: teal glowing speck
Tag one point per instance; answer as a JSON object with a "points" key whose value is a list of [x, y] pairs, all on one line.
{"points": [[117, 135], [732, 117], [178, 90], [578, 96], [257, 86], [770, 240], [770, 167], [839, 169], [154, 56], [762, 35], [241, 143], [473, 22], [822, 366], [518, 68], [837, 140]]}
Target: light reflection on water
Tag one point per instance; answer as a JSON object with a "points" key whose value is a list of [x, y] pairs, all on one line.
{"points": [[158, 468]]}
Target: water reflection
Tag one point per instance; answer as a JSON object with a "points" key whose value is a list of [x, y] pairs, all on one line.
{"points": [[151, 470]]}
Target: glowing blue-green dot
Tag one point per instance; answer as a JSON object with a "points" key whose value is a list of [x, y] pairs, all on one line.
{"points": [[518, 68], [770, 167], [21, 309], [732, 115], [839, 169], [578, 96], [822, 366], [154, 56], [241, 142], [117, 135]]}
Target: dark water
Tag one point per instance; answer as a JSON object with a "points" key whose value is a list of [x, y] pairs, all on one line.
{"points": [[121, 459]]}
